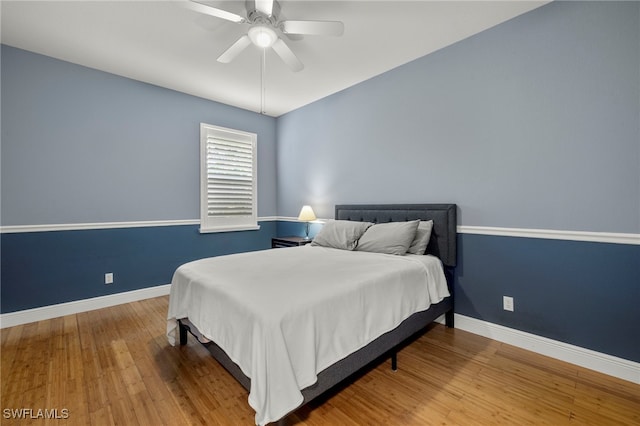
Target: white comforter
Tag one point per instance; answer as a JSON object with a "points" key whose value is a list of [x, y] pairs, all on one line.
{"points": [[285, 315]]}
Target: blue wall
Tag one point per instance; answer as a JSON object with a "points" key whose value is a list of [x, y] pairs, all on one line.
{"points": [[534, 124], [583, 293], [84, 146], [530, 124], [45, 268]]}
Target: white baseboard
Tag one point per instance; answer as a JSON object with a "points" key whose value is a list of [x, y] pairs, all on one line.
{"points": [[53, 311], [603, 363]]}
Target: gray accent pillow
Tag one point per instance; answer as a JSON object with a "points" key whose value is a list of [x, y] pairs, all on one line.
{"points": [[340, 234], [423, 235], [390, 238]]}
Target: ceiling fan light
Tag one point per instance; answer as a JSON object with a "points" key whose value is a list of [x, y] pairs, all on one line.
{"points": [[262, 36]]}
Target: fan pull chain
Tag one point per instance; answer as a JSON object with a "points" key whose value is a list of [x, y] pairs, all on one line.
{"points": [[263, 89]]}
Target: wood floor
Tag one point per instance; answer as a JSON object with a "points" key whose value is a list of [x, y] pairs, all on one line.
{"points": [[114, 366]]}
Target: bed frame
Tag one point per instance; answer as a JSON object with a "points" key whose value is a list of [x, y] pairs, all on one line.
{"points": [[442, 245]]}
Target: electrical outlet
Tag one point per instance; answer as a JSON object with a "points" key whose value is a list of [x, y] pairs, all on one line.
{"points": [[108, 278], [507, 303]]}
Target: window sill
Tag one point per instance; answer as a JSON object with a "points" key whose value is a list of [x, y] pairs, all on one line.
{"points": [[229, 229]]}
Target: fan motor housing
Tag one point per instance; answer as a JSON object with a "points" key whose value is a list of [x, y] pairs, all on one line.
{"points": [[255, 16]]}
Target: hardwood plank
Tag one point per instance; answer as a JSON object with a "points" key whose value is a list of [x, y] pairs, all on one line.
{"points": [[114, 366]]}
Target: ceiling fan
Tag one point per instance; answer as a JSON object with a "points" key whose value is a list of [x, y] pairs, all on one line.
{"points": [[266, 28]]}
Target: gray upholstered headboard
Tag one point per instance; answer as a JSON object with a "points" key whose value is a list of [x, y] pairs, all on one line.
{"points": [[443, 236]]}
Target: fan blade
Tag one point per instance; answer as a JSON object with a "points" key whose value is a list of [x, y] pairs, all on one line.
{"points": [[287, 55], [235, 49], [329, 28], [265, 6], [213, 11]]}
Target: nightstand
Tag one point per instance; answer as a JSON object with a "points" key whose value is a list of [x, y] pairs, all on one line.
{"points": [[279, 242]]}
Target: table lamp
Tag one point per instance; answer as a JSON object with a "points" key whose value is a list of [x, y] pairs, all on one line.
{"points": [[307, 215]]}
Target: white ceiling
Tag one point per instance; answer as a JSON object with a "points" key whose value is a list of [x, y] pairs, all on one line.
{"points": [[169, 45]]}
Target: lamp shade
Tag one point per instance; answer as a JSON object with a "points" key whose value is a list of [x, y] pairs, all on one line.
{"points": [[307, 214]]}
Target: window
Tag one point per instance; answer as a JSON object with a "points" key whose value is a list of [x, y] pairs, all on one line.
{"points": [[228, 187]]}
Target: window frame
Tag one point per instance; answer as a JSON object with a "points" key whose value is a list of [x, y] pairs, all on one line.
{"points": [[209, 224]]}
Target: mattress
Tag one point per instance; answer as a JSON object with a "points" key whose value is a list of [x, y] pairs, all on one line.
{"points": [[285, 315]]}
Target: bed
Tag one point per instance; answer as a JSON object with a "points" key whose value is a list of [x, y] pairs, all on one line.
{"points": [[347, 333]]}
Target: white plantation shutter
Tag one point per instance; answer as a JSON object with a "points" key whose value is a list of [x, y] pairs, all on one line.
{"points": [[228, 187], [229, 177]]}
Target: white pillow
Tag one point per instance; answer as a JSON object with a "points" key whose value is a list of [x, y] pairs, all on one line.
{"points": [[340, 234], [423, 235], [390, 238]]}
